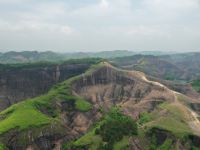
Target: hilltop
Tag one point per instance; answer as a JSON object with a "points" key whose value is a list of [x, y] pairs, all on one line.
{"points": [[78, 112]]}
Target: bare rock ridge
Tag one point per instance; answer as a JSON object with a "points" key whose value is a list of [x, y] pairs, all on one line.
{"points": [[103, 86], [108, 86]]}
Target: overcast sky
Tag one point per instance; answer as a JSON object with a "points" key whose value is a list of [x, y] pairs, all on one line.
{"points": [[95, 25]]}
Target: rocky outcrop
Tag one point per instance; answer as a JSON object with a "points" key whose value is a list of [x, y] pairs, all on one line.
{"points": [[104, 87], [108, 86], [17, 84], [71, 125]]}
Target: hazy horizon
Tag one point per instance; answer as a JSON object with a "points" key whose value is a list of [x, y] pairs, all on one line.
{"points": [[100, 25], [96, 51]]}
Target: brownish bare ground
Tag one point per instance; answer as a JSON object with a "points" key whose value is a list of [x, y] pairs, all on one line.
{"points": [[132, 91]]}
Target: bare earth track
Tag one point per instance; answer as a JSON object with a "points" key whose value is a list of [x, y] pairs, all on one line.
{"points": [[194, 122]]}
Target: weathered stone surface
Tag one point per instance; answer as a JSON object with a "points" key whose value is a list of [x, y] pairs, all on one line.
{"points": [[20, 84], [108, 86]]}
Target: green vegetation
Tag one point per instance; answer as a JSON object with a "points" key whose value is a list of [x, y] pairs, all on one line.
{"points": [[29, 113], [196, 85], [121, 145], [34, 56], [40, 64], [178, 111], [89, 139], [171, 124], [65, 147], [4, 67], [2, 147], [112, 132], [143, 62], [22, 116], [82, 105], [195, 148], [171, 118], [116, 126], [144, 117], [166, 145], [176, 116], [169, 76]]}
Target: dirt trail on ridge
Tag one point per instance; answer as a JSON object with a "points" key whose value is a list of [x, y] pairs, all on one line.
{"points": [[194, 122]]}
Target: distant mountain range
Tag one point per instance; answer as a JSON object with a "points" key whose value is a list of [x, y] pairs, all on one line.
{"points": [[35, 56], [170, 67], [26, 56]]}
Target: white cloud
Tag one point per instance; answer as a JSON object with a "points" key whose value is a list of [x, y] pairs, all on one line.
{"points": [[66, 29], [117, 23], [10, 1], [147, 31], [38, 27], [169, 6], [104, 4]]}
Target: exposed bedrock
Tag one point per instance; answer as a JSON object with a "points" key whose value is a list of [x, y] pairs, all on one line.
{"points": [[108, 86], [19, 84]]}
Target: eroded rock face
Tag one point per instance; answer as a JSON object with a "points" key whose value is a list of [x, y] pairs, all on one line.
{"points": [[104, 88], [71, 126], [19, 84], [108, 86]]}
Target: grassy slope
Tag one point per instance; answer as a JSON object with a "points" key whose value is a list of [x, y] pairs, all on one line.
{"points": [[196, 85], [176, 116], [1, 147], [90, 139], [122, 144], [94, 140], [171, 117], [26, 114], [23, 116]]}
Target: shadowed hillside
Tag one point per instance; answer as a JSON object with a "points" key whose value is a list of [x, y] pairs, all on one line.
{"points": [[22, 81]]}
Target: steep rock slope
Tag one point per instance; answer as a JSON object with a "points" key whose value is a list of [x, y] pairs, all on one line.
{"points": [[76, 106], [19, 82], [160, 111], [108, 86]]}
